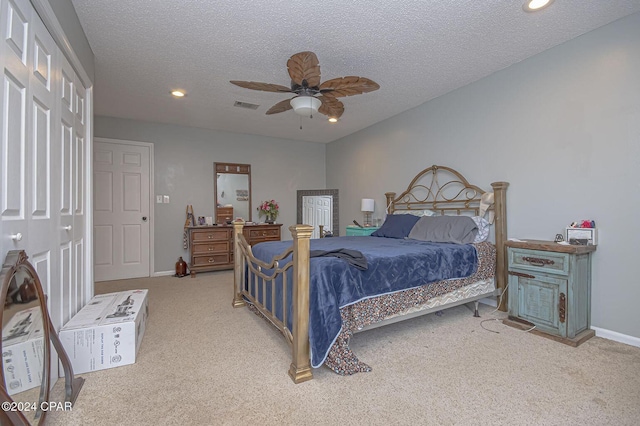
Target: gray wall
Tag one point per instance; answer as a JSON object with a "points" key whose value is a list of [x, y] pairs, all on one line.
{"points": [[562, 127], [66, 15], [184, 158]]}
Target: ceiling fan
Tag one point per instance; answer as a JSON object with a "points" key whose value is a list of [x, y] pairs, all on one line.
{"points": [[311, 95]]}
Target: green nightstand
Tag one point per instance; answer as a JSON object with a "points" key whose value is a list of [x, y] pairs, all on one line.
{"points": [[356, 231]]}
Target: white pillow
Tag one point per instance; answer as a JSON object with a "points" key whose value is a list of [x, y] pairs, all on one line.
{"points": [[483, 229]]}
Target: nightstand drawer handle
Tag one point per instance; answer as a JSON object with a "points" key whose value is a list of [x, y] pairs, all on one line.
{"points": [[537, 261], [212, 260], [520, 274]]}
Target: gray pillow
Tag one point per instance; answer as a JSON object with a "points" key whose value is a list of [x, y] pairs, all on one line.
{"points": [[445, 229]]}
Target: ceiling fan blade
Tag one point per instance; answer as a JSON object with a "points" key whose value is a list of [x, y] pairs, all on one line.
{"points": [[304, 66], [265, 87], [348, 86], [331, 107], [281, 106]]}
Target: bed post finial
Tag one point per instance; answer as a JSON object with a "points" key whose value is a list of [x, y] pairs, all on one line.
{"points": [[300, 369], [238, 270], [500, 209], [390, 197]]}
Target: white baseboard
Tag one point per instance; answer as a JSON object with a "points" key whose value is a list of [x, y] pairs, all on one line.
{"points": [[618, 337], [163, 273]]}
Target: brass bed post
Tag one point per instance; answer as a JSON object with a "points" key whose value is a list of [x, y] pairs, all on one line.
{"points": [[390, 197], [238, 271], [500, 209], [300, 369]]}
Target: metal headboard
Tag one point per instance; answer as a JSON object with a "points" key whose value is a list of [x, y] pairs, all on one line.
{"points": [[440, 189]]}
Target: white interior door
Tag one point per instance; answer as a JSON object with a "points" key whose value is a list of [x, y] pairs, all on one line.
{"points": [[121, 212], [316, 211], [29, 144], [323, 208], [42, 174]]}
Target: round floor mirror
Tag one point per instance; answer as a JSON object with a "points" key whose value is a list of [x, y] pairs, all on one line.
{"points": [[27, 334]]}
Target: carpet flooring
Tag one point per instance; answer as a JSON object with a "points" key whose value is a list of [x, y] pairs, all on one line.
{"points": [[202, 362]]}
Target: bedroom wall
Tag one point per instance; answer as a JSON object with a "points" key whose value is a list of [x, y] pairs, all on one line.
{"points": [[563, 127], [68, 19], [184, 158]]}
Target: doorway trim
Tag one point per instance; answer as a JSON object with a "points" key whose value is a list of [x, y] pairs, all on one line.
{"points": [[152, 218]]}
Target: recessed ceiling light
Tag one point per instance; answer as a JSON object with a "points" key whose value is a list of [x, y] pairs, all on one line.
{"points": [[535, 5], [333, 120], [178, 93]]}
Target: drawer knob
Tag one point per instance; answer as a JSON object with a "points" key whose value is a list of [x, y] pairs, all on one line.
{"points": [[209, 236], [538, 261], [210, 248], [212, 260]]}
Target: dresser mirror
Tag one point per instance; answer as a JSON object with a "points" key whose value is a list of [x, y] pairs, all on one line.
{"points": [[27, 334], [317, 207], [232, 188]]}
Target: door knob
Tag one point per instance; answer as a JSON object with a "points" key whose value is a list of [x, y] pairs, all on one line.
{"points": [[67, 228], [17, 237], [144, 218]]}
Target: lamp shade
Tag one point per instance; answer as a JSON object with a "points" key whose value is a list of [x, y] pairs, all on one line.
{"points": [[367, 205], [305, 105]]}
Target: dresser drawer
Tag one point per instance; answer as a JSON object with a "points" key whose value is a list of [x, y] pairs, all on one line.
{"points": [[210, 260], [255, 234], [211, 247], [262, 240], [541, 261], [201, 235]]}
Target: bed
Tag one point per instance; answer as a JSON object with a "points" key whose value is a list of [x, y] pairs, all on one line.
{"points": [[320, 292]]}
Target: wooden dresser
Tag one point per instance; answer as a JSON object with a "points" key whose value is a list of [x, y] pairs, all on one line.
{"points": [[211, 247]]}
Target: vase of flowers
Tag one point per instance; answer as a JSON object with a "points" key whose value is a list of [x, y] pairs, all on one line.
{"points": [[269, 209]]}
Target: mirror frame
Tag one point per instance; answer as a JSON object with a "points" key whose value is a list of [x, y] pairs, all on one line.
{"points": [[233, 168], [16, 261], [317, 192]]}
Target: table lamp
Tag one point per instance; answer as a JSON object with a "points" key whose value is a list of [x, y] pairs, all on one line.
{"points": [[367, 208]]}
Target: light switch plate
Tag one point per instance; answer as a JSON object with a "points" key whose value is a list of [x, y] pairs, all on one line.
{"points": [[166, 199], [159, 199]]}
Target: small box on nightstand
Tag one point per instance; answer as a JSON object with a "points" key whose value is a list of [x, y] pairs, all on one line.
{"points": [[588, 234]]}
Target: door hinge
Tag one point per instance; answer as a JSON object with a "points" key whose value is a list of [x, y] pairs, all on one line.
{"points": [[562, 307]]}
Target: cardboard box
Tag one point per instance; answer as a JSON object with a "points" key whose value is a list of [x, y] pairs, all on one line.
{"points": [[107, 332], [22, 350]]}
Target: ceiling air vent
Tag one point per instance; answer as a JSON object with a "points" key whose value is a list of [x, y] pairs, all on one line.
{"points": [[245, 105]]}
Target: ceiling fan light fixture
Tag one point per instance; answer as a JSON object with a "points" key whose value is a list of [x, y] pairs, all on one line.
{"points": [[305, 105], [178, 93], [535, 5], [333, 120]]}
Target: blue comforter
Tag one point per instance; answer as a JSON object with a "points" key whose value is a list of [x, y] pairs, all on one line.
{"points": [[393, 265]]}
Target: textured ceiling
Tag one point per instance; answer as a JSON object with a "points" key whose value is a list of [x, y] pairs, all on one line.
{"points": [[415, 49]]}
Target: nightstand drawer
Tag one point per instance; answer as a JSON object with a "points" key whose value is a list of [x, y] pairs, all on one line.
{"points": [[541, 261]]}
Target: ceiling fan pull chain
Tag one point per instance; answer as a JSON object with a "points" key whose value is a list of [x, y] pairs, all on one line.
{"points": [[300, 122]]}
